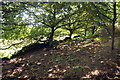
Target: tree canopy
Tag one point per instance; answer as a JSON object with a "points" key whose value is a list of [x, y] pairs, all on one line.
{"points": [[42, 21]]}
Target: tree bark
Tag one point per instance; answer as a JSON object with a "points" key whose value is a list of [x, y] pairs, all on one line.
{"points": [[51, 36], [85, 33], [113, 25], [93, 30], [71, 32]]}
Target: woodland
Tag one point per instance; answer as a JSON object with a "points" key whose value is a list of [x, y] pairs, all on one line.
{"points": [[60, 40]]}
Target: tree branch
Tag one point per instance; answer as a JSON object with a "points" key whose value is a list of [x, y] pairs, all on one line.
{"points": [[100, 12], [37, 17], [66, 16], [105, 28]]}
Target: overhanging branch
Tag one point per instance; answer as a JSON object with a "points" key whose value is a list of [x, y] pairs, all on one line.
{"points": [[100, 12], [37, 17]]}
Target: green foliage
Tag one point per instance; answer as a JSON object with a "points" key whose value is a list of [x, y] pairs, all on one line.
{"points": [[2, 55], [70, 59], [15, 34], [33, 20], [8, 54], [77, 67], [12, 47], [60, 32], [102, 38], [59, 59], [69, 42], [37, 32]]}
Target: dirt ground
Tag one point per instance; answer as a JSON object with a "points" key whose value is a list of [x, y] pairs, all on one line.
{"points": [[71, 61]]}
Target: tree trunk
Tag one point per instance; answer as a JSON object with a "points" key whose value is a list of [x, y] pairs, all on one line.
{"points": [[70, 35], [85, 32], [93, 30], [51, 36], [113, 26]]}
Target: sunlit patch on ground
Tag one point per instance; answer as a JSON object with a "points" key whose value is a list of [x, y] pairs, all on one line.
{"points": [[11, 47], [67, 61], [99, 74]]}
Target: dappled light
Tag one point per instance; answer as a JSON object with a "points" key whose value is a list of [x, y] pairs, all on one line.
{"points": [[92, 73], [97, 74], [56, 72], [57, 40], [59, 63]]}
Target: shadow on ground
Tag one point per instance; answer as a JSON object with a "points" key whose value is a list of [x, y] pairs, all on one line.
{"points": [[65, 61]]}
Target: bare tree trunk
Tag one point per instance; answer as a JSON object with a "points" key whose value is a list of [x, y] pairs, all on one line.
{"points": [[113, 24], [51, 36], [70, 35], [93, 30], [85, 32]]}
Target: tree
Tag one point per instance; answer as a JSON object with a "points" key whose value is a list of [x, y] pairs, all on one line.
{"points": [[75, 22], [53, 14], [106, 15], [113, 24]]}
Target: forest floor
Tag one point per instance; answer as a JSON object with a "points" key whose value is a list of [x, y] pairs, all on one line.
{"points": [[78, 60]]}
